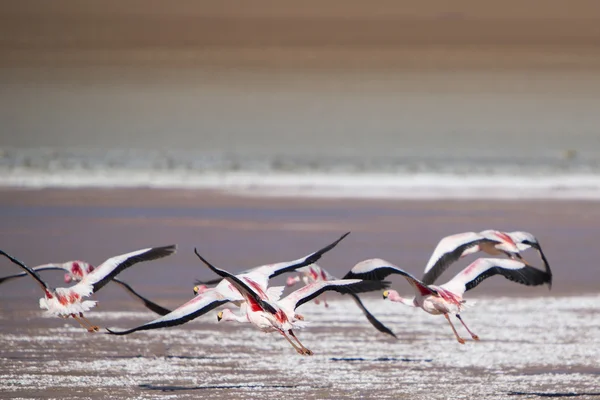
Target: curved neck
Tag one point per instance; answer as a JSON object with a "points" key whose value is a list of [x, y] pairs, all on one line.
{"points": [[395, 297]]}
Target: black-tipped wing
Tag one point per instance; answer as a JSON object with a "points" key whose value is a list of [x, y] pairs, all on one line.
{"points": [[374, 321], [240, 285], [346, 286], [28, 270], [115, 265], [449, 250], [483, 268], [376, 269], [274, 270], [194, 308], [536, 245], [149, 304]]}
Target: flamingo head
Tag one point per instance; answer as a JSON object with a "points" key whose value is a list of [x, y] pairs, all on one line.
{"points": [[200, 289], [226, 315], [292, 280], [392, 295]]}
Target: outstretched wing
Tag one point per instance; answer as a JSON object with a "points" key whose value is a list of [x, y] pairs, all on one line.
{"points": [[524, 240], [273, 270], [309, 292], [449, 250], [199, 305], [484, 268], [28, 270], [374, 321], [241, 286], [149, 304], [378, 269], [45, 267], [115, 265]]}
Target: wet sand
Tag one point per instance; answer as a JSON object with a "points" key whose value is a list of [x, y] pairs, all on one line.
{"points": [[534, 341]]}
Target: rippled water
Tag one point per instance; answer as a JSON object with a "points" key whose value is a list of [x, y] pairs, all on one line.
{"points": [[529, 348]]}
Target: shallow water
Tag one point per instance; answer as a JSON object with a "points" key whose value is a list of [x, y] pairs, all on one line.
{"points": [[529, 348]]}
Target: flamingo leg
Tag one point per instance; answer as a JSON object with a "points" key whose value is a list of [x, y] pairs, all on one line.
{"points": [[298, 349], [306, 351], [85, 325], [94, 328], [325, 301], [460, 340], [474, 336]]}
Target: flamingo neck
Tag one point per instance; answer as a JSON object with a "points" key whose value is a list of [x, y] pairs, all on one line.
{"points": [[395, 297]]}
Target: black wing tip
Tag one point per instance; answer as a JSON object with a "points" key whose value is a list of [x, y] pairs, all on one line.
{"points": [[111, 332]]}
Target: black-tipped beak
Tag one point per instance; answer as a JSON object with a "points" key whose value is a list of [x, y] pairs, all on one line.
{"points": [[386, 294], [219, 317]]}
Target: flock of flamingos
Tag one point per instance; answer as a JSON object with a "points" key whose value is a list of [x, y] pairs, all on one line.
{"points": [[263, 306]]}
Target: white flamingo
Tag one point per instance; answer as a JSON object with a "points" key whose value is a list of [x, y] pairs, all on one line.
{"points": [[279, 316], [69, 302], [452, 248], [314, 273], [76, 270], [448, 298], [207, 299]]}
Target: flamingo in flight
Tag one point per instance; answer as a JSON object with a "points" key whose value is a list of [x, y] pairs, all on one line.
{"points": [[448, 298], [68, 302], [452, 248], [76, 270], [279, 316], [314, 273], [207, 299]]}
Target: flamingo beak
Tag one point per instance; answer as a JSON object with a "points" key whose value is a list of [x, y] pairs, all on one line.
{"points": [[196, 290], [219, 316], [386, 294]]}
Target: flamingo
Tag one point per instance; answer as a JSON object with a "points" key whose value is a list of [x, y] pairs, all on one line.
{"points": [[453, 247], [314, 273], [68, 302], [206, 299], [76, 270], [279, 316], [448, 298]]}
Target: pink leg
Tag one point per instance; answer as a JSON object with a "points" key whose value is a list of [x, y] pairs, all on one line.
{"points": [[306, 351], [474, 336], [298, 349], [460, 340]]}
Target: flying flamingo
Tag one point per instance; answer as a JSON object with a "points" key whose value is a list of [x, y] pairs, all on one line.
{"points": [[453, 247], [68, 302], [279, 316], [448, 298], [314, 273], [207, 299], [76, 270]]}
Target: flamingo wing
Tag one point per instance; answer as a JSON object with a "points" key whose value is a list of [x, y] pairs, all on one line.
{"points": [[347, 286], [28, 270], [40, 268], [199, 305], [241, 286], [483, 268], [524, 240], [374, 321], [449, 250], [115, 265], [149, 304], [273, 270], [378, 269]]}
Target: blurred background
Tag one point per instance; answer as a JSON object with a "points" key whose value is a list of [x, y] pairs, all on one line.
{"points": [[158, 93]]}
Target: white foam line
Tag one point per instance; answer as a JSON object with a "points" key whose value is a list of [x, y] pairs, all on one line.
{"points": [[324, 185]]}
